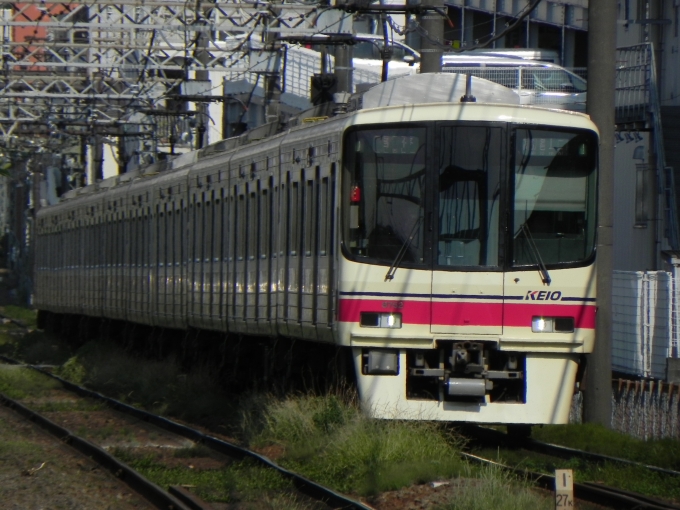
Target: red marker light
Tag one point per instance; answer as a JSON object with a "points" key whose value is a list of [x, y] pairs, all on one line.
{"points": [[355, 194]]}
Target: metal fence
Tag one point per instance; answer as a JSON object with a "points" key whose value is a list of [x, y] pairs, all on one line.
{"points": [[299, 65], [645, 322]]}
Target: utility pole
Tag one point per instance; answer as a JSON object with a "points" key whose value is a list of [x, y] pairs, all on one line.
{"points": [[601, 84], [201, 53], [343, 68], [432, 40], [272, 84]]}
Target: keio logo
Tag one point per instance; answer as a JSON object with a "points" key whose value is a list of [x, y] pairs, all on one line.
{"points": [[543, 295]]}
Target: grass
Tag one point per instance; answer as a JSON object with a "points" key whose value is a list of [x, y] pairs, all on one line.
{"points": [[36, 347], [631, 478], [325, 438], [497, 490], [238, 482], [339, 447], [26, 316], [20, 382], [595, 438], [160, 386]]}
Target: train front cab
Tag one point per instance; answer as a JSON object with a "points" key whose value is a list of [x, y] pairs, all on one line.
{"points": [[467, 281]]}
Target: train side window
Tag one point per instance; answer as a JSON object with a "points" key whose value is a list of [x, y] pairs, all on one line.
{"points": [[207, 238], [196, 244], [284, 216], [241, 229], [310, 217], [140, 239], [232, 225], [275, 220], [177, 235], [145, 238], [228, 219], [265, 223], [217, 227], [331, 214], [294, 218], [324, 227], [160, 236], [252, 230]]}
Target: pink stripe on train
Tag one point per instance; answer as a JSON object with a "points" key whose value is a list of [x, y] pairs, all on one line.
{"points": [[466, 313]]}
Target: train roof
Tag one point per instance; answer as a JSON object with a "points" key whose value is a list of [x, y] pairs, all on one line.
{"points": [[418, 97]]}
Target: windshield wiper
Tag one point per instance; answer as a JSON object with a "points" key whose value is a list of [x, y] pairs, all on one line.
{"points": [[545, 276], [402, 251]]}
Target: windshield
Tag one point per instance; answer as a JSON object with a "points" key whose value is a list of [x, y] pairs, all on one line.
{"points": [[469, 190], [386, 190], [552, 80], [457, 196], [554, 196]]}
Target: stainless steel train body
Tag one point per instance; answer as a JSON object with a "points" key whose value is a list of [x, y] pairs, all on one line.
{"points": [[449, 246]]}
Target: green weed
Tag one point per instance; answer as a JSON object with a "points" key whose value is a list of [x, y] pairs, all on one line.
{"points": [[636, 479], [20, 382], [238, 482], [27, 316], [339, 447], [595, 438], [496, 489], [36, 347]]}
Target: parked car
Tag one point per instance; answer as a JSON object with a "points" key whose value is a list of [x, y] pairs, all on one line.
{"points": [[541, 54], [536, 82]]}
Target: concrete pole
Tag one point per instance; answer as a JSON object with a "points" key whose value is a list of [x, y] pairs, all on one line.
{"points": [[601, 84], [432, 40], [344, 72], [201, 54], [272, 82]]}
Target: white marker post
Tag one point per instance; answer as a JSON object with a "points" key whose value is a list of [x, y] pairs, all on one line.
{"points": [[564, 489]]}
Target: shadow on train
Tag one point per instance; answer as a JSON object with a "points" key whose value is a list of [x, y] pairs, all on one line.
{"points": [[242, 363]]}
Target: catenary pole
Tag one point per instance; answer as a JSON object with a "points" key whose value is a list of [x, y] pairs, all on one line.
{"points": [[432, 38], [272, 84], [601, 83]]}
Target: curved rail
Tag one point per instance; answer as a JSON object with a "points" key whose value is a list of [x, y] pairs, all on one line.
{"points": [[554, 450], [594, 493], [304, 485], [148, 490]]}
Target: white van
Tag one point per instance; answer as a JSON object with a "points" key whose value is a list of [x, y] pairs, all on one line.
{"points": [[537, 83], [540, 54]]}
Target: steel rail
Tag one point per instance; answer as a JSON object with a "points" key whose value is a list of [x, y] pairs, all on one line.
{"points": [[554, 450], [591, 492], [145, 488], [304, 485]]}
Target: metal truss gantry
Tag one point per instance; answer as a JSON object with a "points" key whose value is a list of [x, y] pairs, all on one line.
{"points": [[99, 68]]}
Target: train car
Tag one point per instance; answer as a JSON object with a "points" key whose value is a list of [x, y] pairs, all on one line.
{"points": [[448, 246]]}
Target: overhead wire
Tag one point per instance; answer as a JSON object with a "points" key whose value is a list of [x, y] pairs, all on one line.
{"points": [[141, 94]]}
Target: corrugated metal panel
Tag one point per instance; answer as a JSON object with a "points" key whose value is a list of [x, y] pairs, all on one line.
{"points": [[642, 318]]}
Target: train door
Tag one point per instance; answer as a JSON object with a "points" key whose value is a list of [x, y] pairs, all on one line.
{"points": [[467, 281]]}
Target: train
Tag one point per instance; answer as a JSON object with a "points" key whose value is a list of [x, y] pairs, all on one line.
{"points": [[444, 240]]}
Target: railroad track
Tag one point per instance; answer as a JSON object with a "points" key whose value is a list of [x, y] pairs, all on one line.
{"points": [[595, 493], [592, 492], [176, 497]]}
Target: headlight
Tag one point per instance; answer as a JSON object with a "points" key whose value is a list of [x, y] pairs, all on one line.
{"points": [[552, 324], [380, 320]]}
